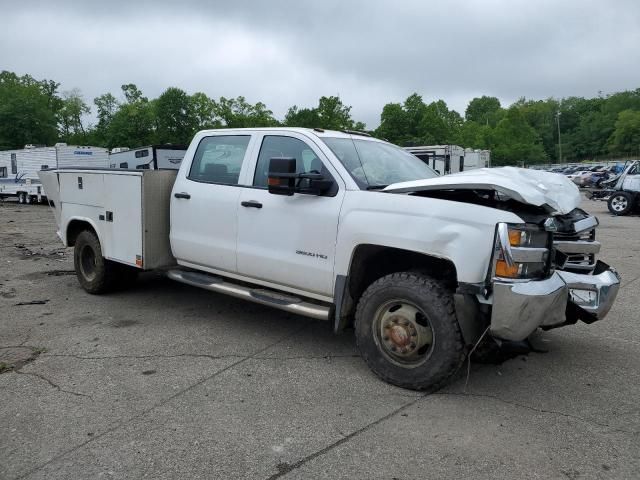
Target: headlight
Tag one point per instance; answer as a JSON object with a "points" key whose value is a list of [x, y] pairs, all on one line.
{"points": [[521, 251]]}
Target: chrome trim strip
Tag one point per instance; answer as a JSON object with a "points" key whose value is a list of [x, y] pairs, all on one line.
{"points": [[529, 254], [577, 247], [585, 224], [505, 244]]}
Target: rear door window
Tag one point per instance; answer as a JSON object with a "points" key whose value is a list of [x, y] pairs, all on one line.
{"points": [[219, 159]]}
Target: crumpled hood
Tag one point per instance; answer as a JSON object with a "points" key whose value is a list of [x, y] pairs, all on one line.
{"points": [[535, 187]]}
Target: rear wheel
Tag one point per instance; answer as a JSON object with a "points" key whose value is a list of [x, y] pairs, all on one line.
{"points": [[620, 203], [95, 273], [407, 331]]}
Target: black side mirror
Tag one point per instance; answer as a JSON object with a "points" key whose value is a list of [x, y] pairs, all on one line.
{"points": [[283, 179], [282, 176]]}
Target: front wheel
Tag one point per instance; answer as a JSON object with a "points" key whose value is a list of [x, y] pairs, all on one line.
{"points": [[407, 331], [620, 203]]}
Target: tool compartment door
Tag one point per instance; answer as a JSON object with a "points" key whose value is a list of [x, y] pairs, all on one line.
{"points": [[123, 218]]}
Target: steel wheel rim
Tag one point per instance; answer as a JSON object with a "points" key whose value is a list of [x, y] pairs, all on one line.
{"points": [[403, 333], [88, 262], [619, 203]]}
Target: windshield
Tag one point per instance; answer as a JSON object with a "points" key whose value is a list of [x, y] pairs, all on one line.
{"points": [[375, 165]]}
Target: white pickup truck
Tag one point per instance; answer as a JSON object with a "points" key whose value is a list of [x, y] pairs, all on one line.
{"points": [[347, 228]]}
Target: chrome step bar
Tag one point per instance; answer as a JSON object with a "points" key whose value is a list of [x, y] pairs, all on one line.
{"points": [[262, 296]]}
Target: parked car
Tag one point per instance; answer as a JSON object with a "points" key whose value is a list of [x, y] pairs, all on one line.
{"points": [[578, 176]]}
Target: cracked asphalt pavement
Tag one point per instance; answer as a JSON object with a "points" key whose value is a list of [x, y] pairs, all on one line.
{"points": [[167, 381]]}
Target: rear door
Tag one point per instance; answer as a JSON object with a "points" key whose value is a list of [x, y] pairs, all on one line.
{"points": [[289, 240], [205, 201]]}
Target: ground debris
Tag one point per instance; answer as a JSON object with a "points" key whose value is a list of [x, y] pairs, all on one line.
{"points": [[33, 302]]}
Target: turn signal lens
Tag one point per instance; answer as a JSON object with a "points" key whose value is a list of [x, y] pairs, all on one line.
{"points": [[506, 271], [515, 237]]}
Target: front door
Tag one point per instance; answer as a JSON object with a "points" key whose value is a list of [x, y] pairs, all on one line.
{"points": [[205, 202], [289, 240]]}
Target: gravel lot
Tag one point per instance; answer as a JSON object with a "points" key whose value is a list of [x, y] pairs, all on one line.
{"points": [[168, 381]]}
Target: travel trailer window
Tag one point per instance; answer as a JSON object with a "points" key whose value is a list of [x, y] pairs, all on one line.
{"points": [[3, 172], [124, 165], [44, 167], [14, 164], [142, 153]]}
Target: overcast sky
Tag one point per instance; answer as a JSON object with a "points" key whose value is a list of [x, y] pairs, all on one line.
{"points": [[292, 52]]}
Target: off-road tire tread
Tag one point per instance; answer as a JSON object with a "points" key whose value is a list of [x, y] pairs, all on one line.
{"points": [[107, 271], [436, 372]]}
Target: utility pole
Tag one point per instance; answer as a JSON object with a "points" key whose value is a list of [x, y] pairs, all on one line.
{"points": [[559, 138]]}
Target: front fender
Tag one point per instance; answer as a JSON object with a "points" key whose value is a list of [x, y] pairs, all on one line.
{"points": [[459, 232]]}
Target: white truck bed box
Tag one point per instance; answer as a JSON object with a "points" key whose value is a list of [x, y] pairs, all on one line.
{"points": [[129, 210]]}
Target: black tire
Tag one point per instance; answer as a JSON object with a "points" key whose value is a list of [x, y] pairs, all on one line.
{"points": [[403, 357], [620, 203], [21, 199], [95, 273]]}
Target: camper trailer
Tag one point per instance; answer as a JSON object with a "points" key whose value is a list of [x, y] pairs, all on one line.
{"points": [[152, 157], [475, 158], [446, 159], [19, 168]]}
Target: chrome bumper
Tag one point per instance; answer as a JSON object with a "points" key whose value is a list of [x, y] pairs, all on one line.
{"points": [[519, 308]]}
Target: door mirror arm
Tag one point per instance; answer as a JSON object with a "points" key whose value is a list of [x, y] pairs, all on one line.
{"points": [[283, 179]]}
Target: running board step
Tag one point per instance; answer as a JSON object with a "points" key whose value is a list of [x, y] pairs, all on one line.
{"points": [[263, 296]]}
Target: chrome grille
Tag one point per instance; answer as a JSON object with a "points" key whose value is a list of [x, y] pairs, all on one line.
{"points": [[578, 248]]}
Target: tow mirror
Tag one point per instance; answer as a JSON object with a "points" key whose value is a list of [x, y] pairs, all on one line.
{"points": [[283, 179], [282, 176]]}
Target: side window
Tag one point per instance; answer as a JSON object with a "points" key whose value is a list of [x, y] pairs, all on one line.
{"points": [[124, 165], [3, 172], [14, 164], [278, 146], [142, 153], [219, 159]]}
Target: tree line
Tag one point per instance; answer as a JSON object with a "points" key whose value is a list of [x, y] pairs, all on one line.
{"points": [[528, 131]]}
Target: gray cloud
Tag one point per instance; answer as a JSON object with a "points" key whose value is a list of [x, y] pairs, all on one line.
{"points": [[291, 52]]}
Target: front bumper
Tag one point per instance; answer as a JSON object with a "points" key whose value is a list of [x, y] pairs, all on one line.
{"points": [[562, 299]]}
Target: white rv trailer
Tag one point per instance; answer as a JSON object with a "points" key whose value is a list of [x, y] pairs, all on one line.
{"points": [[19, 168], [152, 157], [475, 158], [444, 159], [451, 158]]}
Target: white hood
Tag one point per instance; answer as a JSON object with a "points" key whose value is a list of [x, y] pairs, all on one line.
{"points": [[535, 187]]}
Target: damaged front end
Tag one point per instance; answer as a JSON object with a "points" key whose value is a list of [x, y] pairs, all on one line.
{"points": [[572, 285]]}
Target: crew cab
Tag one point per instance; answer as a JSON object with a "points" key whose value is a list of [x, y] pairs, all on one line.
{"points": [[343, 227]]}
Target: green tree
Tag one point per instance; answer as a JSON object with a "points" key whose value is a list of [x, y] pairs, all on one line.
{"points": [[515, 142], [203, 110], [625, 139], [133, 124], [238, 113], [175, 121], [28, 111], [484, 110], [70, 116], [439, 125], [302, 117], [330, 114]]}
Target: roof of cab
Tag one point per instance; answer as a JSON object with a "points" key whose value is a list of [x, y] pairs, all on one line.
{"points": [[318, 132]]}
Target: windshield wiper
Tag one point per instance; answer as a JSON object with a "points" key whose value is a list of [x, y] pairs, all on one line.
{"points": [[376, 187]]}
